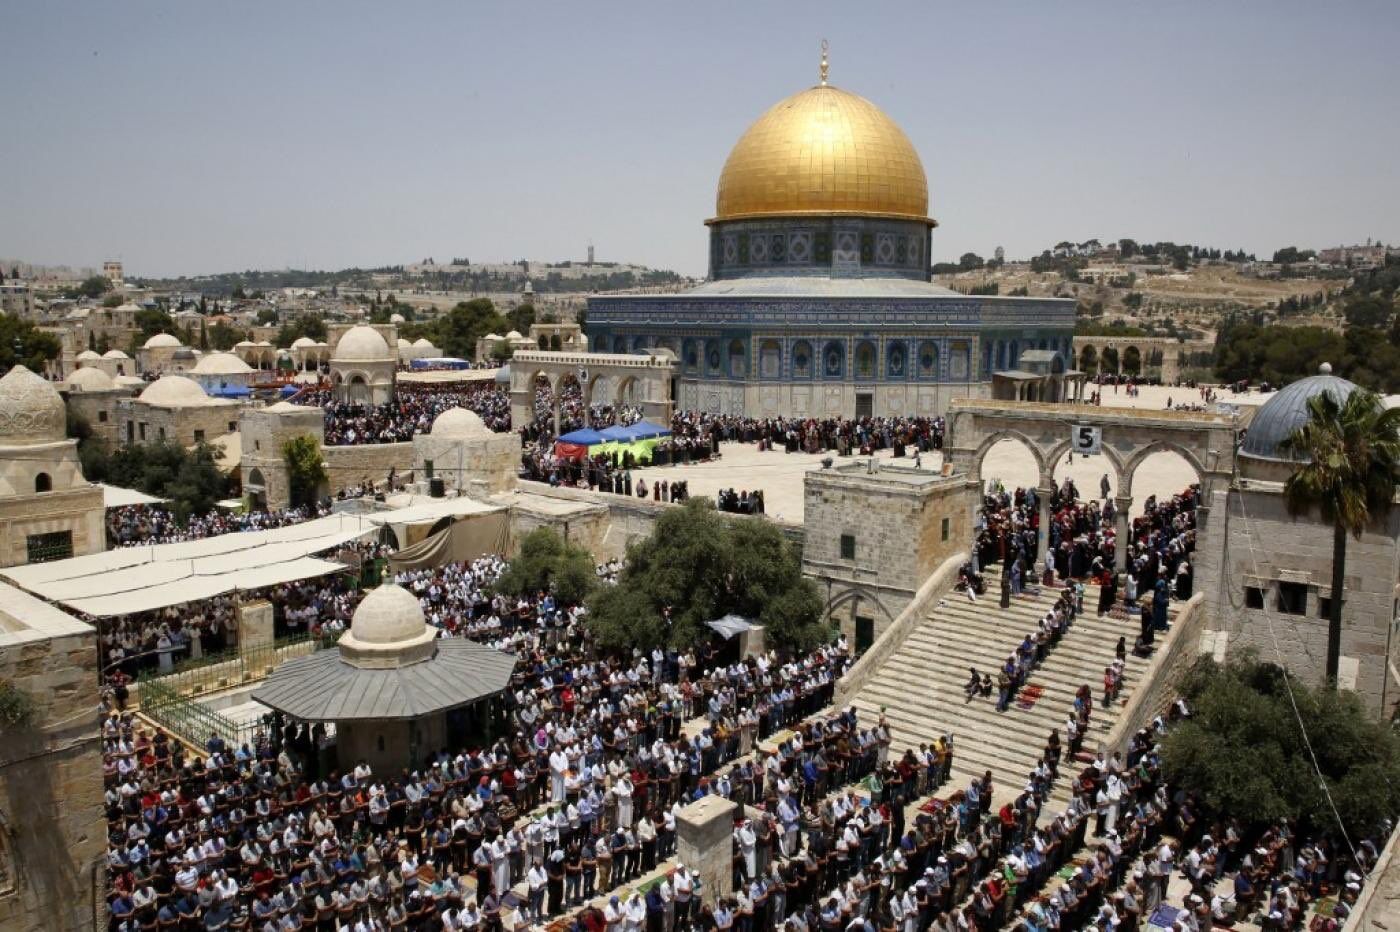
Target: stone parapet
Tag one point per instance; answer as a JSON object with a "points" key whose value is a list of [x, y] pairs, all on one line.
{"points": [[1175, 653]]}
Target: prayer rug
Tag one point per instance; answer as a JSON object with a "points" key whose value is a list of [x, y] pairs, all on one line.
{"points": [[1028, 696]]}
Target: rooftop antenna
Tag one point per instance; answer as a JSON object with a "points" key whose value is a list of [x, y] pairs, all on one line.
{"points": [[824, 67]]}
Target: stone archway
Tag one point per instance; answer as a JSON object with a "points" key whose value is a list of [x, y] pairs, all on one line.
{"points": [[651, 375]]}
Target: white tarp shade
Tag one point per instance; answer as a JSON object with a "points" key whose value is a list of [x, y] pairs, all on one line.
{"points": [[432, 510], [318, 534], [138, 579], [114, 496], [730, 625], [195, 588]]}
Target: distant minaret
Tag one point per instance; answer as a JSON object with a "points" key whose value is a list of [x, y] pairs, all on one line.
{"points": [[590, 254]]}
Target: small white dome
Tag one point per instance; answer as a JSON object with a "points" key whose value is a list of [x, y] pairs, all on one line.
{"points": [[388, 615], [423, 343], [31, 409], [362, 344], [161, 340], [222, 364], [493, 336], [91, 379], [174, 391], [244, 343], [514, 335], [459, 423], [301, 342], [88, 355], [404, 344], [115, 354], [395, 318]]}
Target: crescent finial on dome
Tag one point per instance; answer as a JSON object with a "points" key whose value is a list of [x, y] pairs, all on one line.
{"points": [[824, 67]]}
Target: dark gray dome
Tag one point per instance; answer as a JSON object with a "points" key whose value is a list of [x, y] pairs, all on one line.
{"points": [[1287, 411]]}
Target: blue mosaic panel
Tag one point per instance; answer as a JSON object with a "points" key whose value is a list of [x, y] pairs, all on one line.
{"points": [[884, 249], [897, 361], [834, 360], [800, 247], [802, 360]]}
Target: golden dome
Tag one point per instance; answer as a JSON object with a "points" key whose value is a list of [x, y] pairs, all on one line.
{"points": [[823, 151]]}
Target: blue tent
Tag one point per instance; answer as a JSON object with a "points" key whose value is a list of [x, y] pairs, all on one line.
{"points": [[288, 391], [231, 391], [643, 430], [585, 437], [616, 433]]}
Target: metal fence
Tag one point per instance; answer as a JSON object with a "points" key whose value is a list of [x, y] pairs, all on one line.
{"points": [[184, 716]]}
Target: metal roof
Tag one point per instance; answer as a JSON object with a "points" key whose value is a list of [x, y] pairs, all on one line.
{"points": [[1286, 412], [322, 687]]}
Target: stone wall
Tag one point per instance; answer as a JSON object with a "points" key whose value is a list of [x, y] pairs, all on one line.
{"points": [[1266, 550], [182, 426], [263, 432], [99, 409], [52, 822], [1157, 689], [903, 524], [493, 459], [350, 465], [79, 511], [934, 588]]}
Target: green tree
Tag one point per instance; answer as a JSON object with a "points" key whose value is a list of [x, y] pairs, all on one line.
{"points": [[112, 300], [22, 343], [310, 326], [94, 286], [153, 320], [697, 566], [1243, 749], [458, 330], [1353, 462], [969, 261], [224, 337], [189, 479], [305, 470], [547, 562], [521, 317], [266, 316]]}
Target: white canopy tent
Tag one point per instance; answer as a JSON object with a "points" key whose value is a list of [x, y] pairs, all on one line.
{"points": [[114, 496], [136, 579]]}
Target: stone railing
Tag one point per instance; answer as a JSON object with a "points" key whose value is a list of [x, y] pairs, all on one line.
{"points": [[934, 588], [1157, 689], [1375, 907]]}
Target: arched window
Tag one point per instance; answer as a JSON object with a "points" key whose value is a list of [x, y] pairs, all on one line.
{"points": [[770, 360], [714, 362], [43, 483], [833, 360], [802, 360], [896, 361], [928, 359], [1001, 355], [690, 356], [738, 360], [865, 360], [1013, 354]]}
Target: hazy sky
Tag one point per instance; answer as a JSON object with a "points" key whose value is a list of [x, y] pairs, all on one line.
{"points": [[192, 137]]}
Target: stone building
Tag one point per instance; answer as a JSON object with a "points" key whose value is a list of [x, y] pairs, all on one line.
{"points": [[158, 353], [460, 448], [394, 690], [94, 394], [218, 372], [263, 431], [175, 408], [1274, 570], [53, 828], [48, 509], [819, 300], [874, 537], [363, 367]]}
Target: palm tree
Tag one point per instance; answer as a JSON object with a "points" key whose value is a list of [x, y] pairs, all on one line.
{"points": [[1353, 463]]}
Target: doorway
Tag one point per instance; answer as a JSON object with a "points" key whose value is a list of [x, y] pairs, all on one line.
{"points": [[865, 634], [865, 404]]}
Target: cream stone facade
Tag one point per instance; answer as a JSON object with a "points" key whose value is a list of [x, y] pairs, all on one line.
{"points": [[873, 536], [176, 409], [48, 509], [263, 469], [93, 394], [157, 354], [53, 830], [363, 366], [460, 448]]}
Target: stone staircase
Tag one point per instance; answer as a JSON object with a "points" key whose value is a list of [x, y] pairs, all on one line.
{"points": [[920, 687]]}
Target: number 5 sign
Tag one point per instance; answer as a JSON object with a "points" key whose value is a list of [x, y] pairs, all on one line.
{"points": [[1085, 439]]}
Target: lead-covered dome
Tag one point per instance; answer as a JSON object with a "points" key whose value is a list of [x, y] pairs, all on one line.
{"points": [[362, 344], [222, 364], [91, 379], [1286, 411], [823, 151], [161, 340], [31, 409], [387, 630]]}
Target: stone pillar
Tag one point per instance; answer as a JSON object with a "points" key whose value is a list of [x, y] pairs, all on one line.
{"points": [[752, 642], [1121, 526], [704, 832], [1043, 493], [254, 625], [557, 423]]}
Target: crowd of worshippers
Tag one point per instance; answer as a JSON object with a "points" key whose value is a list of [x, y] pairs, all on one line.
{"points": [[131, 525], [540, 430], [603, 472], [411, 412], [578, 796], [158, 639], [845, 436], [742, 503]]}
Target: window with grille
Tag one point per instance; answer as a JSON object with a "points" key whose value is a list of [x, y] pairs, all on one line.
{"points": [[848, 546], [56, 545]]}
